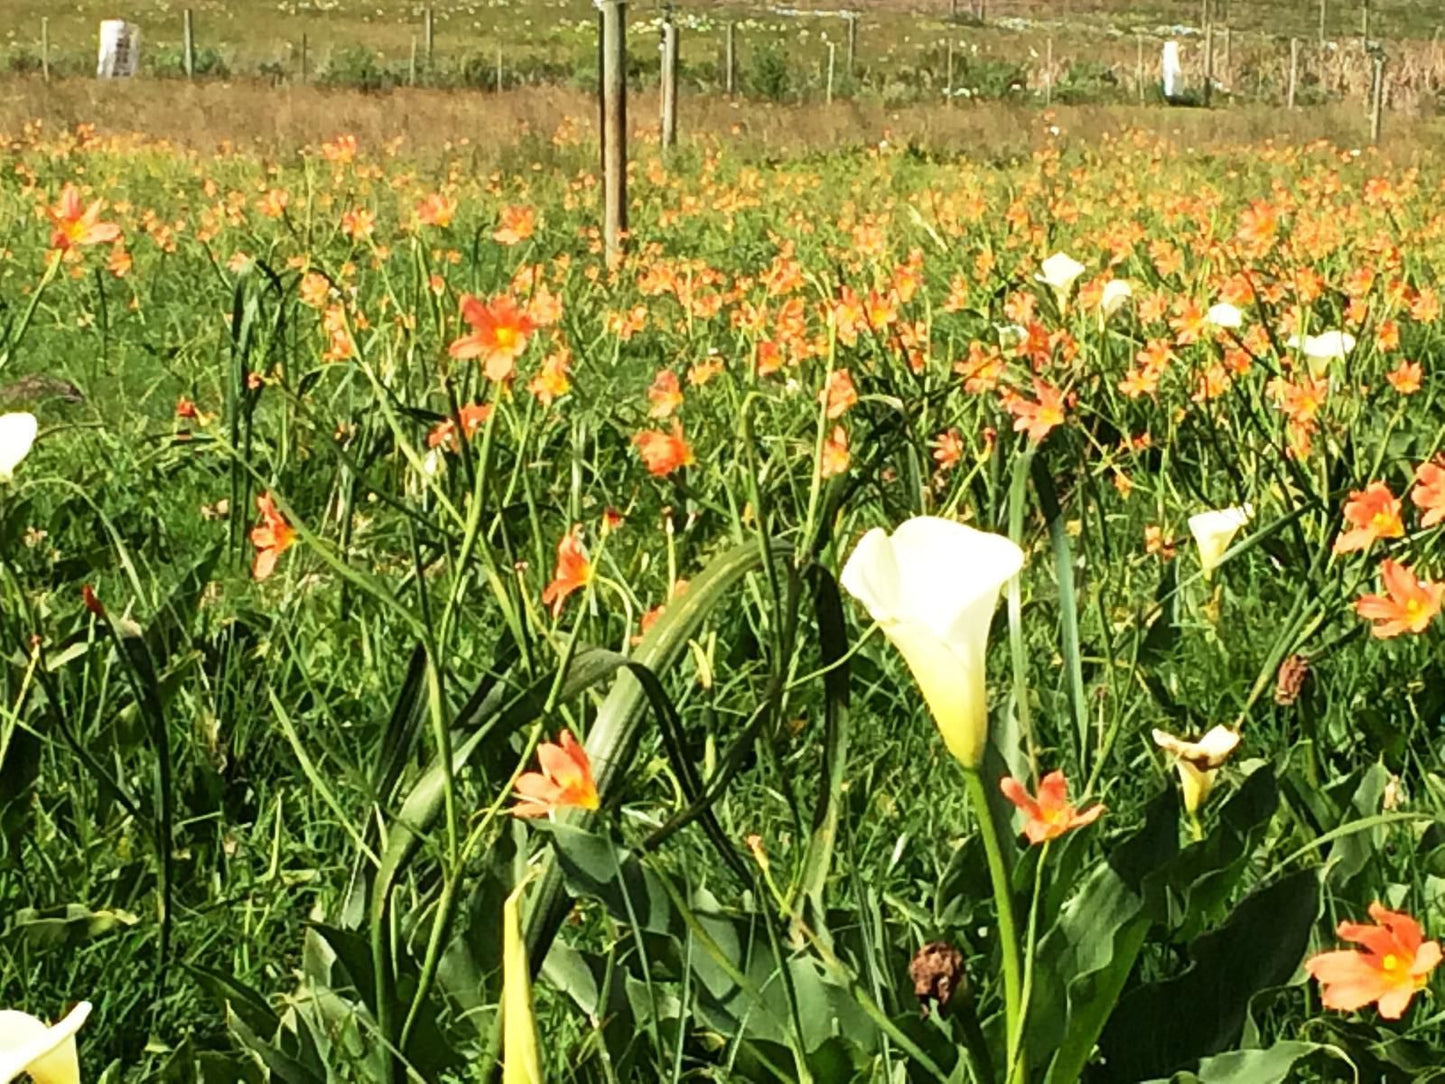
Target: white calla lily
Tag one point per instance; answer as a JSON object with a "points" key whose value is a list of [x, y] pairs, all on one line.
{"points": [[17, 435], [1059, 273], [44, 1051], [1198, 762], [1115, 295], [1225, 315], [932, 586], [1214, 530], [1325, 347]]}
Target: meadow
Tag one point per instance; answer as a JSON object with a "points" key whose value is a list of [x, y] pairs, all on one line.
{"points": [[915, 615]]}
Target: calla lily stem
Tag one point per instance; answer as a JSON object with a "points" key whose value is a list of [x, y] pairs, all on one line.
{"points": [[1007, 931]]}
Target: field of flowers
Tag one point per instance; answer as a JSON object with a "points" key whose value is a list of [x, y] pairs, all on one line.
{"points": [[904, 620]]}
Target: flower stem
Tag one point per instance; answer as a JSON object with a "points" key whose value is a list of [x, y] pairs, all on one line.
{"points": [[1007, 932]]}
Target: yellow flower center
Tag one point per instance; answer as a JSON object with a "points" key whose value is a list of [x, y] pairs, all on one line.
{"points": [[506, 337], [1385, 524], [1414, 610], [1391, 962]]}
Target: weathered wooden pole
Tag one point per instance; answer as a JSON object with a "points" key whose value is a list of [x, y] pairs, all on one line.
{"points": [[1139, 65], [1293, 70], [948, 89], [1377, 100], [1208, 61], [832, 60], [614, 125], [1229, 58], [1365, 23], [1049, 72], [852, 42], [429, 39], [305, 59], [500, 73], [45, 47], [730, 59], [190, 43], [1322, 22], [669, 82], [411, 64]]}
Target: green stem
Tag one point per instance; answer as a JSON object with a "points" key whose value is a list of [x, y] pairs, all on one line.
{"points": [[1003, 902]]}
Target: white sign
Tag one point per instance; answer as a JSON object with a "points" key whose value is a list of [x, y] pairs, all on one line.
{"points": [[119, 50], [1173, 71]]}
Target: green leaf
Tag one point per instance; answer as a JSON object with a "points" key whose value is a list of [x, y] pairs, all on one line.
{"points": [[1272, 1065], [1160, 1027], [69, 925]]}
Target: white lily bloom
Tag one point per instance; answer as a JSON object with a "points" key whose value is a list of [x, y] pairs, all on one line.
{"points": [[1214, 530], [45, 1052], [1059, 273], [1225, 315], [1198, 762], [17, 434], [1326, 347], [932, 586], [1116, 293]]}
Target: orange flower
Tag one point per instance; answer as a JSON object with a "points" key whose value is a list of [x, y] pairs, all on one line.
{"points": [[1406, 377], [186, 409], [1050, 815], [1393, 966], [272, 538], [664, 452], [358, 224], [76, 225], [835, 458], [573, 571], [1374, 513], [665, 394], [948, 449], [1038, 418], [1429, 493], [552, 380], [436, 210], [499, 336], [1409, 604], [518, 224], [565, 781], [839, 395], [472, 417]]}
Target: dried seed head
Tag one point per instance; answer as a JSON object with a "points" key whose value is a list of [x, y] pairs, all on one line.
{"points": [[1293, 673], [938, 973]]}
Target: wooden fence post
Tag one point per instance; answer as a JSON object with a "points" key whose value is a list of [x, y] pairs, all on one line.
{"points": [[1365, 23], [1049, 72], [305, 58], [500, 72], [614, 125], [411, 64], [948, 90], [1377, 100], [730, 59], [669, 82], [45, 47], [852, 42], [1139, 65], [1322, 22], [190, 44], [1229, 58], [832, 60], [1208, 58], [1293, 70]]}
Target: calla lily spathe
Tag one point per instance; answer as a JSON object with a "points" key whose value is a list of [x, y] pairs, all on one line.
{"points": [[46, 1052], [521, 1062], [1058, 273], [932, 586], [1115, 295], [1325, 347], [1214, 530], [1198, 762], [17, 435], [1225, 315]]}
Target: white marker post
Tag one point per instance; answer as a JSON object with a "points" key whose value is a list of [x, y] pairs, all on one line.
{"points": [[1173, 71], [119, 50]]}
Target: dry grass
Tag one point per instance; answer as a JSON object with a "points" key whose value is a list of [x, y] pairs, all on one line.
{"points": [[277, 120]]}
